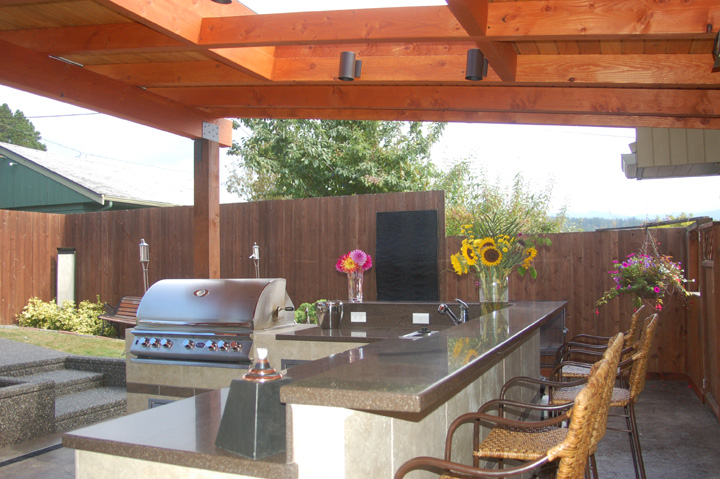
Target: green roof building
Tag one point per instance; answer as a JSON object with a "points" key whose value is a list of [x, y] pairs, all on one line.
{"points": [[34, 180]]}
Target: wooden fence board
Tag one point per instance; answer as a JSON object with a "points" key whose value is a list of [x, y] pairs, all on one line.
{"points": [[300, 240]]}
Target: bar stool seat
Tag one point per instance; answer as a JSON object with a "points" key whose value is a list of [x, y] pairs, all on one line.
{"points": [[523, 444]]}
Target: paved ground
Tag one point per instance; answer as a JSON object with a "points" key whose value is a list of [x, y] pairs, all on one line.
{"points": [[679, 436], [680, 439]]}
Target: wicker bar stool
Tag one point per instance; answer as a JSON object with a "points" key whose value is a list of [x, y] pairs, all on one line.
{"points": [[571, 450], [586, 345], [626, 397], [502, 443]]}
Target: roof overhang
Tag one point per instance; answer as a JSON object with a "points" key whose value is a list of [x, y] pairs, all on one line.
{"points": [[176, 65]]}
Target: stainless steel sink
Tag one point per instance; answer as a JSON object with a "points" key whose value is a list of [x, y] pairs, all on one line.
{"points": [[423, 333]]}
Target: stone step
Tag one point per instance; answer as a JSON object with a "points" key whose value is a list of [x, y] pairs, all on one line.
{"points": [[33, 367], [89, 406], [67, 381]]}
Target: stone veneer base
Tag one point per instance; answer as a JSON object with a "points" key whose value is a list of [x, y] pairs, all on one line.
{"points": [[332, 442]]}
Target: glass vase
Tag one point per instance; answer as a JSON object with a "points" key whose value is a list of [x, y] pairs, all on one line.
{"points": [[493, 287], [355, 287]]}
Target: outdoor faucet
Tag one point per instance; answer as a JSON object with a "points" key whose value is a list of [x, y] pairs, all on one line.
{"points": [[463, 310], [445, 309]]}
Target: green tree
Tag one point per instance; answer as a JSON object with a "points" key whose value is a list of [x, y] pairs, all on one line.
{"points": [[469, 196], [18, 130], [310, 158]]}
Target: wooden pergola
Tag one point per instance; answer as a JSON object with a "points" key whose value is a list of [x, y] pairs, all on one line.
{"points": [[183, 66]]}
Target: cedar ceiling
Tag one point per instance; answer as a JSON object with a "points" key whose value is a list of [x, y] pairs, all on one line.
{"points": [[173, 64]]}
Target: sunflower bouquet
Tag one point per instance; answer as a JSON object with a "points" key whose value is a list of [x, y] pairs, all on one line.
{"points": [[493, 248]]}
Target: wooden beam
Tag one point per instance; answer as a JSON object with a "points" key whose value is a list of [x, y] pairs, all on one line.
{"points": [[533, 20], [625, 121], [540, 70], [473, 16], [183, 24], [408, 24], [588, 19], [598, 70], [14, 3], [117, 38], [39, 74], [206, 210], [570, 100], [173, 74]]}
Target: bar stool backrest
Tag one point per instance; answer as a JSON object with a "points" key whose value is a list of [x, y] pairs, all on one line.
{"points": [[632, 335], [612, 356], [573, 451], [638, 371]]}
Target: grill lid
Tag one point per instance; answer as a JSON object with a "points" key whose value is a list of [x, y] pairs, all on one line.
{"points": [[207, 303]]}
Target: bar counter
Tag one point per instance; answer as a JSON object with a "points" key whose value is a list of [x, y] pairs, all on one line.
{"points": [[359, 413], [411, 375]]}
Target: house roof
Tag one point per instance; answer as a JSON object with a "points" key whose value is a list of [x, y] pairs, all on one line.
{"points": [[105, 179], [178, 65]]}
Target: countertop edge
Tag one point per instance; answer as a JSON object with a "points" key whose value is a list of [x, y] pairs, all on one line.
{"points": [[420, 404], [119, 438], [196, 460]]}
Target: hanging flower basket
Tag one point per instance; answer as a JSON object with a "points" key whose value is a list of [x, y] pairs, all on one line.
{"points": [[646, 275]]}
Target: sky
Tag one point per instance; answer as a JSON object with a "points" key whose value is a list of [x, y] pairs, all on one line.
{"points": [[583, 164]]}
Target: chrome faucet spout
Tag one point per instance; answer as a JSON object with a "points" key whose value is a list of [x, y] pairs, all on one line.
{"points": [[445, 309], [463, 310]]}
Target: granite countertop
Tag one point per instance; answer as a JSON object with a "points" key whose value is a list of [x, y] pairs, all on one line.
{"points": [[407, 376], [180, 433], [355, 334]]}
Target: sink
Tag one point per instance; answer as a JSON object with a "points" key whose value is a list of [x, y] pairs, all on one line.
{"points": [[423, 333]]}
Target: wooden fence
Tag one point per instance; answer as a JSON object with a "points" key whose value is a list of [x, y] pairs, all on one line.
{"points": [[300, 240]]}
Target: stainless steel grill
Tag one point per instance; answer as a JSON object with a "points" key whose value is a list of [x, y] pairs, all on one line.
{"points": [[207, 319]]}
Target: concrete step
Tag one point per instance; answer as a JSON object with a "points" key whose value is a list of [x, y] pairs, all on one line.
{"points": [[32, 368], [89, 406], [67, 381]]}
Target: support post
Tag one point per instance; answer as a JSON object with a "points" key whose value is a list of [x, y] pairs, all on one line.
{"points": [[206, 212]]}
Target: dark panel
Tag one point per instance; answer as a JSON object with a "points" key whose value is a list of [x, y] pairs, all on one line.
{"points": [[407, 256]]}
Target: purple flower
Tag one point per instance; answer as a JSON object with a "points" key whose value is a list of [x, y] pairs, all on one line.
{"points": [[358, 256], [656, 289]]}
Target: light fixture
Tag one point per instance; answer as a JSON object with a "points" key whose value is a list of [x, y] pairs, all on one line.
{"points": [[350, 68], [716, 54], [224, 2], [477, 65]]}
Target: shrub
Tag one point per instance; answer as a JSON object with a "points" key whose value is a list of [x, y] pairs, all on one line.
{"points": [[307, 309], [82, 319]]}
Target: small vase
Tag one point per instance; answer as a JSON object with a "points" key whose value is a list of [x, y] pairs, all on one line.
{"points": [[355, 287], [493, 288]]}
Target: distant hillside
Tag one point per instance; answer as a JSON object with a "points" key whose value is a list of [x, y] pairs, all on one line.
{"points": [[595, 223]]}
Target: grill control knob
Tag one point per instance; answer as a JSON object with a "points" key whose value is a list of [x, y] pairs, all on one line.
{"points": [[222, 345], [154, 342], [166, 343], [236, 346], [144, 342], [188, 344], [211, 345]]}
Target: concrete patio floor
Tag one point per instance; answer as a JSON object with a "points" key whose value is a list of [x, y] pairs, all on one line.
{"points": [[680, 439]]}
